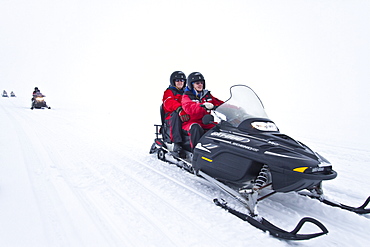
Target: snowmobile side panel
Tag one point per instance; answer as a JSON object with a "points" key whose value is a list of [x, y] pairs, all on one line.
{"points": [[227, 165], [237, 158]]}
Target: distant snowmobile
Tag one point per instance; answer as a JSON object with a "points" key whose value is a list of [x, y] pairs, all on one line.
{"points": [[5, 94], [246, 156], [12, 94], [38, 102]]}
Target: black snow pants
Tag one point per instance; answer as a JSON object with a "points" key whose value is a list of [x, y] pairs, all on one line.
{"points": [[175, 124]]}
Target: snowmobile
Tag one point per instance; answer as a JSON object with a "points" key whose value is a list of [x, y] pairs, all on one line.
{"points": [[246, 156], [38, 102], [12, 94], [5, 94]]}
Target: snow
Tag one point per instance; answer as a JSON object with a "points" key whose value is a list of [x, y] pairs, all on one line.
{"points": [[79, 177], [80, 173]]}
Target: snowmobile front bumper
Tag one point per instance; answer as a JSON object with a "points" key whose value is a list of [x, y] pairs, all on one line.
{"points": [[285, 180]]}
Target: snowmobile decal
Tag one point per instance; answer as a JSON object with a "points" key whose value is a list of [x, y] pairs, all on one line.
{"points": [[209, 160], [245, 147], [199, 146], [300, 169], [285, 156], [235, 144], [210, 146], [230, 137]]}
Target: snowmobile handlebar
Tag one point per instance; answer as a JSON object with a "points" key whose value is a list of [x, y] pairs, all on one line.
{"points": [[208, 119]]}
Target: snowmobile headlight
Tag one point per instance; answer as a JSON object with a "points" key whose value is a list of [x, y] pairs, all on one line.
{"points": [[40, 99], [265, 126]]}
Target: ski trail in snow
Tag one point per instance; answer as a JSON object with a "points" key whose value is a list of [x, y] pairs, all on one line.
{"points": [[81, 206], [17, 188], [55, 199], [157, 215]]}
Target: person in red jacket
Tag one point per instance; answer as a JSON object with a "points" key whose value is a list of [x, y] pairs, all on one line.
{"points": [[174, 114], [197, 102]]}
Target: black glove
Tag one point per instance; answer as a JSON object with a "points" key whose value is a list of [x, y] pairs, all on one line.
{"points": [[182, 114]]}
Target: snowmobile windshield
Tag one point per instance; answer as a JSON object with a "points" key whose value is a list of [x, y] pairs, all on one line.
{"points": [[242, 104], [39, 95]]}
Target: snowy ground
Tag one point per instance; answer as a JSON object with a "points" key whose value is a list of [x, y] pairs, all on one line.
{"points": [[73, 177]]}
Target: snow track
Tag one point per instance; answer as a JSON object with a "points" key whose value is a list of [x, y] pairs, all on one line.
{"points": [[74, 178]]}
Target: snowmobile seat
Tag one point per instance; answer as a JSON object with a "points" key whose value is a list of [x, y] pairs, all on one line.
{"points": [[165, 129]]}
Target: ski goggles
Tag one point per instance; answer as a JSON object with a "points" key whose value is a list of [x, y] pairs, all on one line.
{"points": [[179, 80]]}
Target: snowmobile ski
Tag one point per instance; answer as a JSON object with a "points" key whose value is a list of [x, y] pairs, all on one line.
{"points": [[260, 222], [266, 226], [358, 210]]}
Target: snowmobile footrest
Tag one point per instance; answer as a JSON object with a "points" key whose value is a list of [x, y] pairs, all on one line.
{"points": [[275, 231]]}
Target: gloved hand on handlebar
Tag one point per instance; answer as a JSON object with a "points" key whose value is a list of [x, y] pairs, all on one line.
{"points": [[208, 105]]}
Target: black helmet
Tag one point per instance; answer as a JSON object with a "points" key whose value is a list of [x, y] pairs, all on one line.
{"points": [[177, 75], [195, 76], [36, 88]]}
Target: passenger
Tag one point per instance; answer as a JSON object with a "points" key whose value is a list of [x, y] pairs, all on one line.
{"points": [[197, 102], [174, 114]]}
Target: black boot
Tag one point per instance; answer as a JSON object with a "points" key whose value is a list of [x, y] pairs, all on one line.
{"points": [[177, 150]]}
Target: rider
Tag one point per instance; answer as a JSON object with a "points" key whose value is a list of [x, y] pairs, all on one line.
{"points": [[174, 114], [36, 92], [197, 102]]}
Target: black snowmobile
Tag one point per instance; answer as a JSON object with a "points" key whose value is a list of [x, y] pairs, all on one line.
{"points": [[38, 102], [12, 94], [5, 94], [246, 156]]}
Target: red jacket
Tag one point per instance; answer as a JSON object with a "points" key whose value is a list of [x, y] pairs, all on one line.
{"points": [[171, 100], [192, 106]]}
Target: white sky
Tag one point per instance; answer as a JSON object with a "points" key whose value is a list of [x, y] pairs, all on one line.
{"points": [[308, 60]]}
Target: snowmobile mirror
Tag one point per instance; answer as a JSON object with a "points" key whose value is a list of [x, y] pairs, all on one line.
{"points": [[208, 119]]}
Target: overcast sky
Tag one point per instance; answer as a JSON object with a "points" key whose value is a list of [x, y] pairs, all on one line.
{"points": [[298, 55]]}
